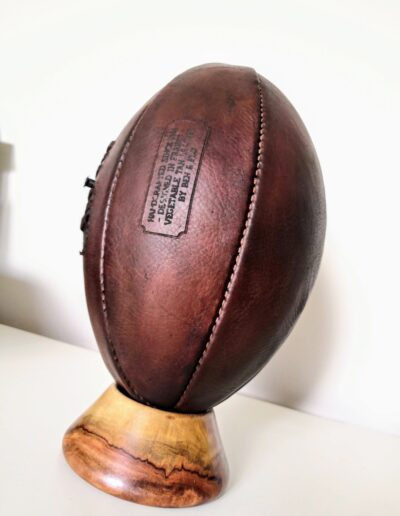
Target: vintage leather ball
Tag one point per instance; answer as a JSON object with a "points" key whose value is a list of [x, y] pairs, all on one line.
{"points": [[203, 236]]}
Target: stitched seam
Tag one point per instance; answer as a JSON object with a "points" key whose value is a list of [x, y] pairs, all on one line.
{"points": [[250, 211], [102, 254], [90, 200]]}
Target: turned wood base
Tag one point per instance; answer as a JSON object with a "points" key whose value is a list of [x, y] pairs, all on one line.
{"points": [[147, 455]]}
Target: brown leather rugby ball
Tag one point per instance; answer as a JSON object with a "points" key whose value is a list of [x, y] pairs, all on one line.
{"points": [[203, 236]]}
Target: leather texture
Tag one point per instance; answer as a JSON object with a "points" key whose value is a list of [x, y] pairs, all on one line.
{"points": [[184, 321]]}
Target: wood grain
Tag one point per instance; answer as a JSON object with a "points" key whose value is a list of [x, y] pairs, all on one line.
{"points": [[147, 455]]}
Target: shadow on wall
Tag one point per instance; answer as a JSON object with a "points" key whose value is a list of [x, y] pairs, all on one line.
{"points": [[297, 367], [6, 167], [6, 157], [17, 296]]}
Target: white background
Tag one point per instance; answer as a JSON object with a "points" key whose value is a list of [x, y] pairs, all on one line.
{"points": [[72, 73]]}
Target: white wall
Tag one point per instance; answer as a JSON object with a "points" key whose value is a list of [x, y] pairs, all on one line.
{"points": [[72, 74]]}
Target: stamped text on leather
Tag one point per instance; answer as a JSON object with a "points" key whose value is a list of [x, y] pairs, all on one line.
{"points": [[173, 181]]}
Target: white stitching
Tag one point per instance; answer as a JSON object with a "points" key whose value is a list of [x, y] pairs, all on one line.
{"points": [[250, 211], [102, 254]]}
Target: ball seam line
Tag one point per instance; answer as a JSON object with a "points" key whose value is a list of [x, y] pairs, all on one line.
{"points": [[91, 199], [117, 174], [250, 211]]}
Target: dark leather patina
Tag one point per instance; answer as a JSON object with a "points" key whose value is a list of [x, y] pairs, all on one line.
{"points": [[188, 307]]}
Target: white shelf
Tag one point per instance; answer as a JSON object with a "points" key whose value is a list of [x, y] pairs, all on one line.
{"points": [[282, 462]]}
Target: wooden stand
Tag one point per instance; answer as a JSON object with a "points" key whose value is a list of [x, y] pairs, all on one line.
{"points": [[147, 455]]}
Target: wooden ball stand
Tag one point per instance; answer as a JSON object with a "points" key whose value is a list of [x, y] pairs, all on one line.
{"points": [[147, 455]]}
